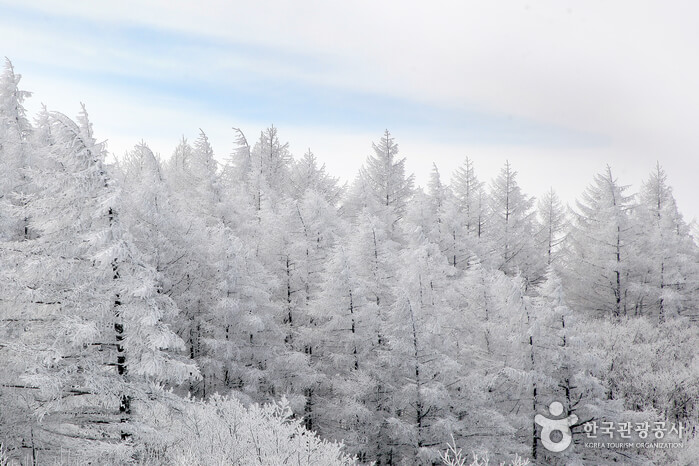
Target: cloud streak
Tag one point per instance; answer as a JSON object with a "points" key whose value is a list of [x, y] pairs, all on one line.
{"points": [[256, 81]]}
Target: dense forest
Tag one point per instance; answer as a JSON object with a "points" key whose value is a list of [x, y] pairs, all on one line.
{"points": [[258, 311]]}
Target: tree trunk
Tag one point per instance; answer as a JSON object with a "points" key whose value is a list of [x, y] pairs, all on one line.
{"points": [[531, 349], [122, 368]]}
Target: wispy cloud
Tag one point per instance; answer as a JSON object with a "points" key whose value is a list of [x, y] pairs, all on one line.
{"points": [[255, 81]]}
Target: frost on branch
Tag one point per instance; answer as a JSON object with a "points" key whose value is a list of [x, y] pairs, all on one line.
{"points": [[223, 431]]}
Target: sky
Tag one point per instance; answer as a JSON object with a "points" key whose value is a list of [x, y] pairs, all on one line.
{"points": [[559, 88]]}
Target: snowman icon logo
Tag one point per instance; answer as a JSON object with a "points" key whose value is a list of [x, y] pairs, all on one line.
{"points": [[549, 426]]}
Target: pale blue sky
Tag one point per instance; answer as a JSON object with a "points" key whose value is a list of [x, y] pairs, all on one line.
{"points": [[559, 88], [259, 94]]}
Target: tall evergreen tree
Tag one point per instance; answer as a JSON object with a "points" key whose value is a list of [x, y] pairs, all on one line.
{"points": [[356, 310], [15, 156], [568, 366], [426, 406], [306, 174], [552, 226], [111, 347], [600, 253], [669, 268], [469, 191], [512, 228], [384, 176]]}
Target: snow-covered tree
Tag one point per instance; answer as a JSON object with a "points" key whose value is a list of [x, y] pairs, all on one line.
{"points": [[307, 175], [344, 318], [512, 228], [439, 218], [436, 189], [264, 168], [600, 250], [568, 366], [351, 317], [384, 176], [425, 408], [470, 194], [15, 156], [162, 233], [16, 147], [145, 307], [424, 217], [668, 269], [98, 299], [551, 225], [223, 431]]}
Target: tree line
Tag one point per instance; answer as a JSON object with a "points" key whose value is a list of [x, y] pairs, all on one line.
{"points": [[148, 303]]}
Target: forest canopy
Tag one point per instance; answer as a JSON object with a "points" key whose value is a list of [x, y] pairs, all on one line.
{"points": [[188, 311]]}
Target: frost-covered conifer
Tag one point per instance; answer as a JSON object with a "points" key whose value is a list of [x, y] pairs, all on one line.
{"points": [[512, 228], [99, 342], [601, 249]]}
